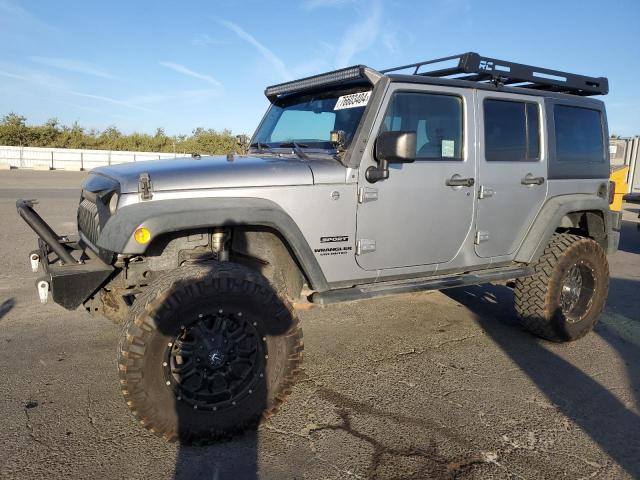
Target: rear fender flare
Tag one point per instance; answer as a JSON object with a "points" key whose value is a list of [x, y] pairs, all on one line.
{"points": [[550, 218]]}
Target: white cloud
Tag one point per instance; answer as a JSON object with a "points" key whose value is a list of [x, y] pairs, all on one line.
{"points": [[313, 4], [75, 66], [361, 35], [459, 8], [204, 40], [266, 53], [176, 67], [181, 96], [15, 15], [114, 101], [12, 75], [33, 77], [390, 41]]}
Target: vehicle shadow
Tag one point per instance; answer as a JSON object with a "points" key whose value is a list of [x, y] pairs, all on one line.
{"points": [[233, 459], [599, 413], [6, 307], [621, 329], [219, 371], [629, 237]]}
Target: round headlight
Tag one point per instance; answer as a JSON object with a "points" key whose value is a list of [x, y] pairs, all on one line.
{"points": [[113, 203]]}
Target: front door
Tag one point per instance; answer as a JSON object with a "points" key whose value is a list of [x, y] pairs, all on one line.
{"points": [[414, 218], [512, 183]]}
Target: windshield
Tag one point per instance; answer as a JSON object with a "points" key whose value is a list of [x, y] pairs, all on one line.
{"points": [[307, 121]]}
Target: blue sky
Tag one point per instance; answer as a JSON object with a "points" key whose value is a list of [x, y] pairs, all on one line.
{"points": [[139, 65]]}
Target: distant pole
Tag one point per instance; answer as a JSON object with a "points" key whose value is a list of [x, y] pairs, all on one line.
{"points": [[81, 161], [109, 158], [134, 157], [633, 162], [52, 167]]}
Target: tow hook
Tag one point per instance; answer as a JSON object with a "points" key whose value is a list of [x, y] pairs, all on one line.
{"points": [[35, 261], [43, 290]]}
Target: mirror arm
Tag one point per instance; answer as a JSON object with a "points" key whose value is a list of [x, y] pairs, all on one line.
{"points": [[381, 172]]}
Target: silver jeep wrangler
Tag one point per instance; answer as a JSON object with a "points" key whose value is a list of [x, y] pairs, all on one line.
{"points": [[357, 183]]}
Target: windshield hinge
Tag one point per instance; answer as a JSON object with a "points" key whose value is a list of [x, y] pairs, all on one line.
{"points": [[145, 186], [485, 192], [365, 245], [481, 236], [366, 194]]}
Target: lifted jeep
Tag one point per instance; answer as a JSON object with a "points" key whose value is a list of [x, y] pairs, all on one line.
{"points": [[358, 183]]}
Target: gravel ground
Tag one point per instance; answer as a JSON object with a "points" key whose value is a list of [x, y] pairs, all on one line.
{"points": [[434, 385]]}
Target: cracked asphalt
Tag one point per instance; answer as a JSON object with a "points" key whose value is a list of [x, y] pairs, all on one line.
{"points": [[436, 385]]}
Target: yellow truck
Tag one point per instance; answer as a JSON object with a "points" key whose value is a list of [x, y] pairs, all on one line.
{"points": [[619, 178]]}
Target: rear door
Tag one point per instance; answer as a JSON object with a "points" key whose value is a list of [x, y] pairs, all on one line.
{"points": [[512, 178]]}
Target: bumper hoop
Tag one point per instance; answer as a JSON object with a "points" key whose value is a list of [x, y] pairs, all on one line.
{"points": [[44, 231], [68, 281]]}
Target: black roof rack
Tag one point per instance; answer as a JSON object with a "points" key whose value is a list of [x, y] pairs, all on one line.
{"points": [[473, 67]]}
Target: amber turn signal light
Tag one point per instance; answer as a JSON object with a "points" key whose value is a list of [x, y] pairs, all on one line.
{"points": [[142, 235]]}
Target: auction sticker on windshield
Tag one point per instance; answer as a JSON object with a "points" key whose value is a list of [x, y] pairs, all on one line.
{"points": [[353, 100]]}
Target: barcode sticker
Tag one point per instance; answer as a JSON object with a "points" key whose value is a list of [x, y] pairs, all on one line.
{"points": [[353, 100]]}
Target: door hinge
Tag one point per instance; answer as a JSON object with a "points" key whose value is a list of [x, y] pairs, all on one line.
{"points": [[365, 245], [145, 186], [481, 237], [366, 194], [485, 192]]}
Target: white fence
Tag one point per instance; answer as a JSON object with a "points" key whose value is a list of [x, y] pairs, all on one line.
{"points": [[623, 152], [71, 159], [626, 152]]}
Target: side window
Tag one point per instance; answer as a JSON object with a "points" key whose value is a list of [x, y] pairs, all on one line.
{"points": [[578, 134], [533, 131], [511, 131], [436, 119]]}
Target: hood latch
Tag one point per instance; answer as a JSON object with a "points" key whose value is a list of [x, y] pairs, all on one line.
{"points": [[145, 186]]}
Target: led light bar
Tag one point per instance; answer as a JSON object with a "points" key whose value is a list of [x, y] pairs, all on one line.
{"points": [[322, 80]]}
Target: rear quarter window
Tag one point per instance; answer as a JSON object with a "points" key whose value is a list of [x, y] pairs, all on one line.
{"points": [[578, 134]]}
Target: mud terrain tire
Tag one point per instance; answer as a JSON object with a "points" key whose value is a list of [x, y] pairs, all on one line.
{"points": [[208, 351], [564, 299]]}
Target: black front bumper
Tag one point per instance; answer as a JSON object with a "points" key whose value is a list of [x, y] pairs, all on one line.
{"points": [[72, 271]]}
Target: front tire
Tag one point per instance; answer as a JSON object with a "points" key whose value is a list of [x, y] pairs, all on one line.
{"points": [[564, 299], [207, 352]]}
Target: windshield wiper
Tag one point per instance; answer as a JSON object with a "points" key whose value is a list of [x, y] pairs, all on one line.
{"points": [[262, 147], [297, 149]]}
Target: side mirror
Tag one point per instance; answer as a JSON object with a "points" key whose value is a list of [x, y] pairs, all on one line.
{"points": [[396, 147], [391, 147]]}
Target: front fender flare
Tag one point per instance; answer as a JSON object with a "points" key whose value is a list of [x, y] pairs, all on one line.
{"points": [[165, 216]]}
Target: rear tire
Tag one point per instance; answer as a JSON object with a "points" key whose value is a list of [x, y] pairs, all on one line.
{"points": [[564, 299], [207, 352]]}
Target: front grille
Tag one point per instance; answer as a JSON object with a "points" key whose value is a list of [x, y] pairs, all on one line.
{"points": [[88, 223]]}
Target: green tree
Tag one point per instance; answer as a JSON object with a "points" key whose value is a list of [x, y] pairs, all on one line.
{"points": [[15, 131]]}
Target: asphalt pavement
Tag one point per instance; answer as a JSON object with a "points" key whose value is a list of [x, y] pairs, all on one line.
{"points": [[435, 385]]}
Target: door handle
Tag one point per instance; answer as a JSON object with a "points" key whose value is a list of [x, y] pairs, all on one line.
{"points": [[531, 180], [456, 181]]}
